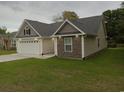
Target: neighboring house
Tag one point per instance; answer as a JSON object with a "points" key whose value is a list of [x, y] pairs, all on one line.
{"points": [[78, 38], [8, 41], [4, 42], [1, 42], [12, 40]]}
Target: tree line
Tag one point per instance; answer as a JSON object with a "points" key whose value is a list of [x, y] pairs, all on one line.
{"points": [[115, 24], [3, 30]]}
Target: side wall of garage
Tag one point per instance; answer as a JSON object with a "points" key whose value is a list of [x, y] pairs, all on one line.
{"points": [[48, 46]]}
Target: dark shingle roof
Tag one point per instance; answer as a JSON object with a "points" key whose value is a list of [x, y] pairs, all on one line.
{"points": [[89, 25], [44, 29]]}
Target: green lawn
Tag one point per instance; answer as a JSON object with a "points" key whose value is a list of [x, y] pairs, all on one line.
{"points": [[103, 72], [5, 52]]}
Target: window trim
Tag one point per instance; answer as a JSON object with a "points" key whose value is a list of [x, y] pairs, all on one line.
{"points": [[65, 50], [27, 31]]}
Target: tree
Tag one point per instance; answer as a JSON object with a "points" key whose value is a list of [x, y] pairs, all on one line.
{"points": [[57, 18], [70, 15], [122, 4], [115, 24], [3, 30]]}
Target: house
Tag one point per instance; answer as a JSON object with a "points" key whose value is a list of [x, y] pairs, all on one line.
{"points": [[8, 41], [76, 38], [4, 42], [1, 41], [12, 40]]}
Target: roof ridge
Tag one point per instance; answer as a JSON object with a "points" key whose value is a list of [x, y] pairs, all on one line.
{"points": [[90, 17], [36, 21], [88, 24], [61, 22]]}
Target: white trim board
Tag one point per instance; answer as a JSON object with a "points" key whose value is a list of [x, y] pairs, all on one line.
{"points": [[66, 35], [55, 47], [68, 44], [82, 46]]}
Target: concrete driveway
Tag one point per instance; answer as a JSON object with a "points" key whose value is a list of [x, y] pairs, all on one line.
{"points": [[11, 57]]}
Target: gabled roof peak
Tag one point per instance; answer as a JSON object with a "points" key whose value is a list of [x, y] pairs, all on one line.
{"points": [[88, 25]]}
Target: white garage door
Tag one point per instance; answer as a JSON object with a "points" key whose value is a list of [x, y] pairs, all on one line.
{"points": [[29, 47]]}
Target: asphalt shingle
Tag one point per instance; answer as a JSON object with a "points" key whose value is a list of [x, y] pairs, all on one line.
{"points": [[89, 25]]}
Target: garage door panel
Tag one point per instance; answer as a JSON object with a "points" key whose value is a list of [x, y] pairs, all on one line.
{"points": [[29, 47]]}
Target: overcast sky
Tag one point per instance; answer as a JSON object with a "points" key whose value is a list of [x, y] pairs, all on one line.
{"points": [[13, 13]]}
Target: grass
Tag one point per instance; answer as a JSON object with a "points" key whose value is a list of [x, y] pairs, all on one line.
{"points": [[103, 72], [5, 52]]}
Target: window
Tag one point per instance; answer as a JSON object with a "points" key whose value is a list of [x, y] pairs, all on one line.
{"points": [[24, 31], [98, 40], [27, 31], [68, 44]]}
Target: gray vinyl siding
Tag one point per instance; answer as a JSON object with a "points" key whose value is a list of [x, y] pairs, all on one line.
{"points": [[21, 32], [102, 36], [91, 42]]}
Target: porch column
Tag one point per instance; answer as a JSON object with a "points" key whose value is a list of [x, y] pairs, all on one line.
{"points": [[82, 41], [55, 46], [41, 46]]}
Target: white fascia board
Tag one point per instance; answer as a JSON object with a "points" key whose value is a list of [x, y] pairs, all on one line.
{"points": [[70, 24], [28, 37], [46, 37], [33, 28], [66, 35]]}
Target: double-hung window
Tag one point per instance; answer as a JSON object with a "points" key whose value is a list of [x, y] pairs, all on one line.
{"points": [[27, 31], [68, 44]]}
